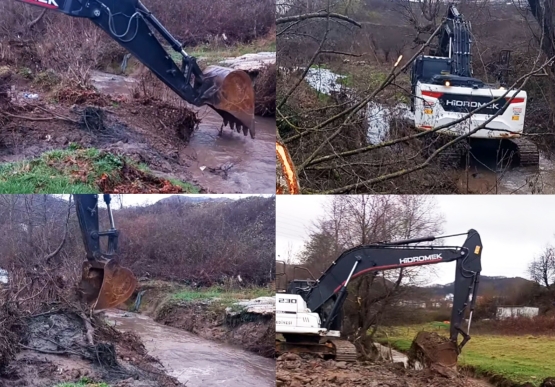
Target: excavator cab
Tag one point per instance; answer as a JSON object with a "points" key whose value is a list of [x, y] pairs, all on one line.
{"points": [[104, 283]]}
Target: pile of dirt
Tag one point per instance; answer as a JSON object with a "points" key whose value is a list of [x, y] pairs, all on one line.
{"points": [[265, 91], [64, 345], [305, 370], [208, 320]]}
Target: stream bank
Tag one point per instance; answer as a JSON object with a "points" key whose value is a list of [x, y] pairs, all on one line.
{"points": [[244, 319]]}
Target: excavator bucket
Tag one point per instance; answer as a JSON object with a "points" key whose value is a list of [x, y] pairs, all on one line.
{"points": [[432, 350], [233, 97], [105, 285]]}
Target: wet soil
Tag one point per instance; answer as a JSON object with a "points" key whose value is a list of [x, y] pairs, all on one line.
{"points": [[295, 371], [195, 361], [251, 332], [248, 331], [62, 346], [231, 163], [152, 131]]}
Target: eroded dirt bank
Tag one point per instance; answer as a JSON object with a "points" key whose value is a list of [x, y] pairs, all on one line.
{"points": [[65, 346], [195, 361], [211, 317]]}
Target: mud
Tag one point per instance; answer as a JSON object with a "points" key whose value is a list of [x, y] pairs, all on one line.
{"points": [[231, 163], [250, 331], [195, 361], [295, 371], [59, 347], [174, 141]]}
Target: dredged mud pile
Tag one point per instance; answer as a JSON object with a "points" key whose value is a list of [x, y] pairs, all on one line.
{"points": [[67, 346]]}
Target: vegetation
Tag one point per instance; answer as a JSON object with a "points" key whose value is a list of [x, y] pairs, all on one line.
{"points": [[222, 294], [518, 358], [69, 171]]}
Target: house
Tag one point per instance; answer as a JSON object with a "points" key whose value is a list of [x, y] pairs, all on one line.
{"points": [[504, 312]]}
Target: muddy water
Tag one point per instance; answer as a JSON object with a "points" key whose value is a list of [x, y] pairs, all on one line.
{"points": [[194, 361], [482, 174], [232, 163]]}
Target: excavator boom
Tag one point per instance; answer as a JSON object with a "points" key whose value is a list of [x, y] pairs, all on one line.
{"points": [[324, 297], [229, 92], [104, 283]]}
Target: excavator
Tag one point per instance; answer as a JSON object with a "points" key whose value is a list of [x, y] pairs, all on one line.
{"points": [[104, 283], [229, 92], [309, 312], [444, 90]]}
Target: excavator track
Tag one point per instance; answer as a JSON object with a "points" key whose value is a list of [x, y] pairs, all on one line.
{"points": [[344, 350], [527, 151]]}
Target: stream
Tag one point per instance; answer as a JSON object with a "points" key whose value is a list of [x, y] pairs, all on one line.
{"points": [[249, 163], [194, 361], [483, 176]]}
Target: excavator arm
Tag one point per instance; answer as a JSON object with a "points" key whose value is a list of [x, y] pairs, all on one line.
{"points": [[104, 283], [229, 92], [331, 287]]}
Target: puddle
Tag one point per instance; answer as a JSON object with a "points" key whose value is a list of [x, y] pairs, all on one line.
{"points": [[483, 176], [194, 361], [232, 163]]}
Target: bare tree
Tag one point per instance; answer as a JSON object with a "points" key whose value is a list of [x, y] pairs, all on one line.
{"points": [[542, 268], [350, 221]]}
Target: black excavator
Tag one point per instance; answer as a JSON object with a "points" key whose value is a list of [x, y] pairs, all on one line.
{"points": [[444, 90], [229, 92], [104, 283], [309, 312]]}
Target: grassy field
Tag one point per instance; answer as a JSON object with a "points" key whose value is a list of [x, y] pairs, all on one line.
{"points": [[221, 295], [518, 358], [67, 171]]}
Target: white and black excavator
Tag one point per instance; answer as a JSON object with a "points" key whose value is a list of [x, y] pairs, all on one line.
{"points": [[444, 90], [229, 92], [309, 312], [104, 283]]}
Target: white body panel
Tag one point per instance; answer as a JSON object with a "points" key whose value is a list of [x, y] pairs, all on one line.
{"points": [[429, 113], [293, 316]]}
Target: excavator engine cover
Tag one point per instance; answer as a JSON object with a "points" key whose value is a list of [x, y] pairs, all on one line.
{"points": [[431, 349], [106, 284], [232, 97]]}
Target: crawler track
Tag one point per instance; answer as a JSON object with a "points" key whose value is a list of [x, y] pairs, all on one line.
{"points": [[527, 152]]}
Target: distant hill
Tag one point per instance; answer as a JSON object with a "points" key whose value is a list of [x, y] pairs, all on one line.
{"points": [[497, 285], [177, 199]]}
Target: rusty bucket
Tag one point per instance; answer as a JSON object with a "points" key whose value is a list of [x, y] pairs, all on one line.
{"points": [[232, 96], [106, 284]]}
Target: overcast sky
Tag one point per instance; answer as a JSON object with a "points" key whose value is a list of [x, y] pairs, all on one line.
{"points": [[514, 229], [137, 199]]}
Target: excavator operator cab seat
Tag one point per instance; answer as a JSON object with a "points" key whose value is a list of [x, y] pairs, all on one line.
{"points": [[300, 287]]}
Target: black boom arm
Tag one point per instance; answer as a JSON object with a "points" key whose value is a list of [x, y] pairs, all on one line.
{"points": [[360, 260], [127, 22], [87, 213]]}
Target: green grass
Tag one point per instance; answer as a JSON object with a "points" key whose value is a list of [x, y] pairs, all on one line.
{"points": [[518, 358], [84, 382], [211, 54], [63, 171], [224, 296]]}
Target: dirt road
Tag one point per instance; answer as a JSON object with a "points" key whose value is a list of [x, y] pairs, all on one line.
{"points": [[195, 361]]}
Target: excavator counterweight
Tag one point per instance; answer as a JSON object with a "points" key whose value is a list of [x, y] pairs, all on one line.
{"points": [[104, 283]]}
